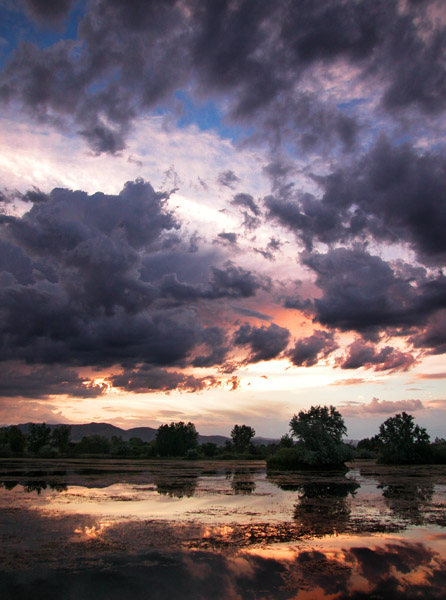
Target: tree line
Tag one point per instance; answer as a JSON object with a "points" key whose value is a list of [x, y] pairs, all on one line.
{"points": [[319, 443], [172, 440], [315, 441]]}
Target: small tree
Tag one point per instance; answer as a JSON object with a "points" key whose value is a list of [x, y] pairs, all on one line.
{"points": [[403, 442], [241, 437]]}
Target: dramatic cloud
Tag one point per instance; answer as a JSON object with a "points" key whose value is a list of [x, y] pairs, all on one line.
{"points": [[77, 285], [41, 382], [361, 354], [264, 59], [150, 380], [47, 12], [308, 351], [301, 145], [392, 193], [433, 337], [363, 292], [265, 343]]}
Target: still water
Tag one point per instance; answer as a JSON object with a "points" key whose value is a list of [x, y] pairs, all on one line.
{"points": [[219, 529]]}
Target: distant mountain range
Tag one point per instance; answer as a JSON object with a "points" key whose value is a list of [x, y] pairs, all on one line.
{"points": [[147, 434]]}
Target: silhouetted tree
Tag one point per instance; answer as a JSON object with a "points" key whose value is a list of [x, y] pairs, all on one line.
{"points": [[38, 437], [403, 442], [176, 439], [60, 438], [14, 439], [319, 443], [241, 437], [93, 444], [286, 441], [209, 449]]}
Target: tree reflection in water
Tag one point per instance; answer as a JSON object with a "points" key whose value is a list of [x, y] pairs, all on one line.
{"points": [[408, 501], [35, 486], [178, 486], [243, 482], [323, 507]]}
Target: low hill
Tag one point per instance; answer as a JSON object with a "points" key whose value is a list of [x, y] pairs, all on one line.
{"points": [[146, 434]]}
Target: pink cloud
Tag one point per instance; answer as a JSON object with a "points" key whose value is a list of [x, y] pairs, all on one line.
{"points": [[381, 407]]}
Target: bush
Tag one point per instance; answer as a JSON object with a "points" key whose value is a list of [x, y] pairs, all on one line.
{"points": [[300, 458], [284, 458], [48, 451], [192, 454]]}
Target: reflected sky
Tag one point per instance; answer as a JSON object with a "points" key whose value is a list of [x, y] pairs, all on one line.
{"points": [[374, 530]]}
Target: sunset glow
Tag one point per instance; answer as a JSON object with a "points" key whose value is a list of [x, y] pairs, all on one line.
{"points": [[222, 215]]}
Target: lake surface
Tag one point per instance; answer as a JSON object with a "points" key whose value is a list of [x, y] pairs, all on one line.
{"points": [[107, 529]]}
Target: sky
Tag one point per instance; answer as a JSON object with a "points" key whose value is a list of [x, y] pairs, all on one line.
{"points": [[222, 211]]}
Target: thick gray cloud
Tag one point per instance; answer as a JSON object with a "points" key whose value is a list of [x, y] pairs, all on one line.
{"points": [[19, 380], [93, 280], [160, 380], [308, 351], [229, 282], [362, 292], [433, 337], [393, 194], [361, 354], [265, 343], [48, 12], [130, 56]]}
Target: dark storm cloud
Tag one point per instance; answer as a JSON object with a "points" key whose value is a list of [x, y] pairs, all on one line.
{"points": [[308, 351], [362, 292], [361, 354], [38, 382], [130, 57], [228, 282], [265, 343], [215, 339], [90, 280], [48, 12], [433, 337], [160, 380], [394, 194]]}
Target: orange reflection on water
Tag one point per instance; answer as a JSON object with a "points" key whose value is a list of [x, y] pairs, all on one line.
{"points": [[93, 532]]}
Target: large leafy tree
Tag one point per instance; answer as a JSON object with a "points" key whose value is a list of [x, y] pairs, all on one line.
{"points": [[402, 441], [241, 437], [176, 439], [319, 432]]}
